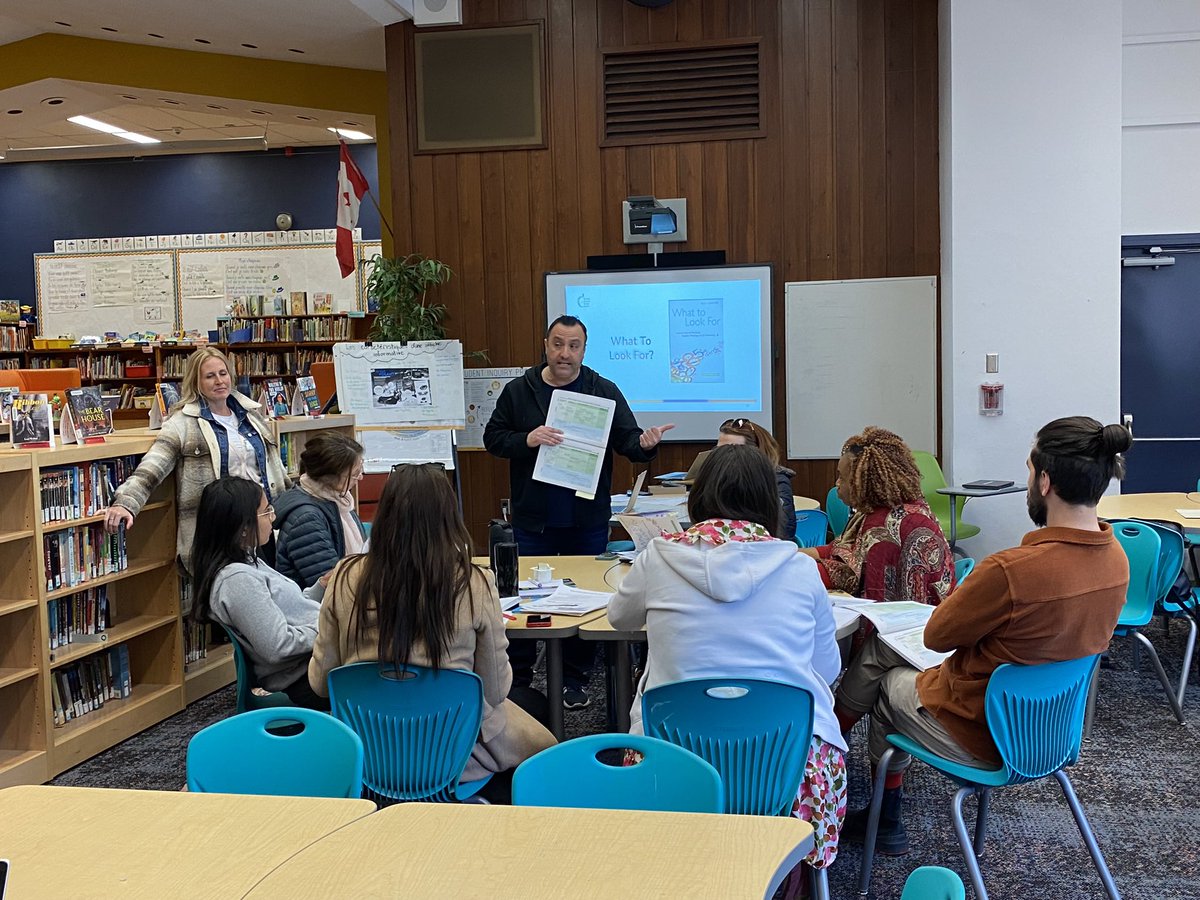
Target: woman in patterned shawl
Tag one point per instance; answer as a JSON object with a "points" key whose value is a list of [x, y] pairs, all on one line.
{"points": [[893, 547]]}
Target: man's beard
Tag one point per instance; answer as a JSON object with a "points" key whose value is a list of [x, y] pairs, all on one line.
{"points": [[1036, 505]]}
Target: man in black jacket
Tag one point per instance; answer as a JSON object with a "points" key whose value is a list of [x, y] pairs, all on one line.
{"points": [[549, 520]]}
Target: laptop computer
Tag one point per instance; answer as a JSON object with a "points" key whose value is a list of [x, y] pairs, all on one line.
{"points": [[689, 477]]}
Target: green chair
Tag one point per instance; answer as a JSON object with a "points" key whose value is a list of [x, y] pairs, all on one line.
{"points": [[247, 699], [939, 504]]}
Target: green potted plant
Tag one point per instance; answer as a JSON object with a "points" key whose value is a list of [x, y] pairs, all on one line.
{"points": [[399, 287]]}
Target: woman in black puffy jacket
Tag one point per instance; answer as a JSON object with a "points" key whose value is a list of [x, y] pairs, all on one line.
{"points": [[316, 520]]}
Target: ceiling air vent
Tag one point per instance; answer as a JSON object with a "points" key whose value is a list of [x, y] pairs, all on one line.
{"points": [[680, 93]]}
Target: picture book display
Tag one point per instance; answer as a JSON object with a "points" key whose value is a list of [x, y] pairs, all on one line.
{"points": [[305, 401], [274, 398], [32, 424], [166, 396], [85, 418]]}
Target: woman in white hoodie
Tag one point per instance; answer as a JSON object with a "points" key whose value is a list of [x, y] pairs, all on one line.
{"points": [[725, 598]]}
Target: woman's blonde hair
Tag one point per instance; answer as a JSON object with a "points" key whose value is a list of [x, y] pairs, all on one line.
{"points": [[883, 473], [189, 387]]}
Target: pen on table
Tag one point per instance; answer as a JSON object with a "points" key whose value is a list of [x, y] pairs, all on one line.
{"points": [[509, 616]]}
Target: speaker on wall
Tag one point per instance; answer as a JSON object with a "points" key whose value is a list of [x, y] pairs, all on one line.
{"points": [[437, 12]]}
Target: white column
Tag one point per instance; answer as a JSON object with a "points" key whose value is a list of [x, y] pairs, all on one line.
{"points": [[1031, 226]]}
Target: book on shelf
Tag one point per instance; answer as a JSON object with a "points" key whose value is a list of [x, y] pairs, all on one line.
{"points": [[901, 625], [6, 399], [75, 556], [84, 686], [85, 419], [71, 492], [83, 617], [32, 425], [322, 302], [299, 303], [274, 398], [166, 396], [305, 401], [10, 312]]}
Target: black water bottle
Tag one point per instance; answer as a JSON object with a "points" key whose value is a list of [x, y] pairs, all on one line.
{"points": [[499, 532], [506, 564]]}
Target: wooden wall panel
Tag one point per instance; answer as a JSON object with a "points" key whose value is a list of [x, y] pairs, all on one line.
{"points": [[843, 185]]}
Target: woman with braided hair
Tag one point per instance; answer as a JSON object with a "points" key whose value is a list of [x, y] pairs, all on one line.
{"points": [[893, 547]]}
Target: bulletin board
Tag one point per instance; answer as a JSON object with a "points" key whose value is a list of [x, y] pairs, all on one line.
{"points": [[91, 293], [209, 280]]}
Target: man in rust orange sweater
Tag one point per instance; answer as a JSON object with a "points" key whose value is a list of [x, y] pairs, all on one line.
{"points": [[1055, 597]]}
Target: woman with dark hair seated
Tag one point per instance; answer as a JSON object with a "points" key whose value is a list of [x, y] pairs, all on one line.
{"points": [[893, 547], [726, 598], [416, 597], [273, 620]]}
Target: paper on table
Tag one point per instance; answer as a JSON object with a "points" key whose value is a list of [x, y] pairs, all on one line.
{"points": [[660, 503], [1189, 513], [635, 493], [569, 601], [585, 422], [643, 529], [843, 616]]}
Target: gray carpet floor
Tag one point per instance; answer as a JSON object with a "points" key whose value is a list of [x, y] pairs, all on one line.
{"points": [[1137, 780]]}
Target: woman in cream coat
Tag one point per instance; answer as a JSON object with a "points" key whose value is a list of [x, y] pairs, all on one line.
{"points": [[212, 432], [441, 611]]}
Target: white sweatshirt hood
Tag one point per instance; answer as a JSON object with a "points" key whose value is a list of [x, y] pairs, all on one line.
{"points": [[727, 572]]}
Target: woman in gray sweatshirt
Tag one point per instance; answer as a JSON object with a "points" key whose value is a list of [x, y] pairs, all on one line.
{"points": [[273, 620]]}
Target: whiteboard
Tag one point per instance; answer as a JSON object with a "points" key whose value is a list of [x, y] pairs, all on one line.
{"points": [[210, 280], [860, 353], [91, 293]]}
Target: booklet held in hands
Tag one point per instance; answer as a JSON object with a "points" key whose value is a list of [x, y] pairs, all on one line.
{"points": [[585, 422], [901, 625]]}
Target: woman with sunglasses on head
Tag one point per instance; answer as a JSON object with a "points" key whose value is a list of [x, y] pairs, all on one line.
{"points": [[416, 598], [316, 519], [274, 621], [743, 431]]}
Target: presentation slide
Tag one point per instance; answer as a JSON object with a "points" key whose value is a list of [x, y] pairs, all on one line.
{"points": [[689, 346]]}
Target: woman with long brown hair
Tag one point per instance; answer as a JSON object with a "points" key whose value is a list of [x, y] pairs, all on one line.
{"points": [[416, 598]]}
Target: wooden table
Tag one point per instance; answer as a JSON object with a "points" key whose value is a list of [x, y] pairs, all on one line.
{"points": [[588, 573], [1151, 506], [90, 842], [428, 850]]}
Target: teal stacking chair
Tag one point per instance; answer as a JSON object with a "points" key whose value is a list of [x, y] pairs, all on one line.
{"points": [[620, 546], [933, 883], [962, 568], [247, 684], [812, 527], [838, 512], [668, 778], [1035, 715], [249, 754], [1155, 559], [418, 727], [939, 504], [755, 733]]}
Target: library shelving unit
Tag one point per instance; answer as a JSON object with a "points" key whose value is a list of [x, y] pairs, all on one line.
{"points": [[143, 601], [292, 432]]}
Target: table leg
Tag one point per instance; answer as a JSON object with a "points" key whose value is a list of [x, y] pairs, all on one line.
{"points": [[623, 688], [953, 520], [554, 685]]}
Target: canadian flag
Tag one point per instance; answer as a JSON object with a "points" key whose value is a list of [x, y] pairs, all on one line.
{"points": [[352, 184]]}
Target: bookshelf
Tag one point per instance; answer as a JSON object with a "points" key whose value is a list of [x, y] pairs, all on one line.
{"points": [[143, 611]]}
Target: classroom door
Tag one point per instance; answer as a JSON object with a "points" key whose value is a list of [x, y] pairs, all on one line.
{"points": [[1160, 364]]}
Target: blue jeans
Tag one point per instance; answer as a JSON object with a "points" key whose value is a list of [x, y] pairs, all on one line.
{"points": [[578, 655]]}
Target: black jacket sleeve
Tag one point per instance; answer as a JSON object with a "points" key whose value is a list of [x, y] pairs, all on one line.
{"points": [[787, 527], [503, 435]]}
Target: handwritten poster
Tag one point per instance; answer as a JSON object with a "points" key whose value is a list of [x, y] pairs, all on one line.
{"points": [[391, 383]]}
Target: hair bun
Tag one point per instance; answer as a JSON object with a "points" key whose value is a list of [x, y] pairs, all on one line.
{"points": [[1115, 439]]}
